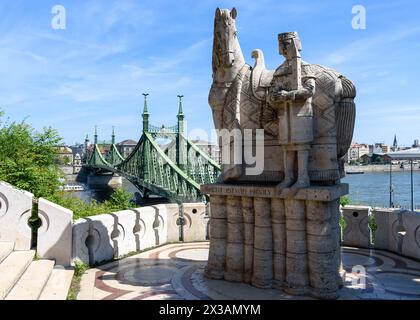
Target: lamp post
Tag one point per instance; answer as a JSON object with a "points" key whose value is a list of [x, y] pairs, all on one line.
{"points": [[412, 186], [391, 204]]}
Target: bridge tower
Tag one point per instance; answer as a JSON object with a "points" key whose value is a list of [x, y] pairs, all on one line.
{"points": [[181, 150], [85, 155], [95, 136], [145, 114]]}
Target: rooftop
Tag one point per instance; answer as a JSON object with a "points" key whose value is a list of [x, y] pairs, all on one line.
{"points": [[409, 154], [127, 142]]}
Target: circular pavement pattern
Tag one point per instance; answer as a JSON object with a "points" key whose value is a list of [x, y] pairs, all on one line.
{"points": [[199, 254], [175, 271], [149, 275]]}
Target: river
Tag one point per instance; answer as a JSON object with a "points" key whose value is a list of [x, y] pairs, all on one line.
{"points": [[370, 188], [104, 193]]}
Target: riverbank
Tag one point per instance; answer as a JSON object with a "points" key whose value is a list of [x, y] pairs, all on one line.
{"points": [[380, 168]]}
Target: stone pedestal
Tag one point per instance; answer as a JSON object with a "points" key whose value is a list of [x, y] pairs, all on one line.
{"points": [[264, 236]]}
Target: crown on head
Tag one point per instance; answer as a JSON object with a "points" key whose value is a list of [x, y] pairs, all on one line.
{"points": [[288, 35]]}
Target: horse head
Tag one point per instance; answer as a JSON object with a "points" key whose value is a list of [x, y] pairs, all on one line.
{"points": [[225, 44]]}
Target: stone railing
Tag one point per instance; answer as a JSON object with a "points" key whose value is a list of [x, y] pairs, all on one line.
{"points": [[108, 236], [116, 234], [53, 236], [397, 230], [96, 238], [15, 211]]}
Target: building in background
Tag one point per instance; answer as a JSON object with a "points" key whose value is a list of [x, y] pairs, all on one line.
{"points": [[77, 163], [380, 148], [65, 155], [78, 148], [395, 144], [126, 147], [210, 148], [356, 151]]}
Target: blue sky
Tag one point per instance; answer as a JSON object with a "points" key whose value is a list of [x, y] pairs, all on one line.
{"points": [[94, 71]]}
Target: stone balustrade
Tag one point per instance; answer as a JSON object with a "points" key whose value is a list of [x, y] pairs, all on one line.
{"points": [[97, 238], [110, 236], [55, 233], [357, 232], [397, 230], [114, 235], [15, 211]]}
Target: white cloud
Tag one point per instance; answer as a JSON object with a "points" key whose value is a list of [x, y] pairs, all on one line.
{"points": [[360, 48]]}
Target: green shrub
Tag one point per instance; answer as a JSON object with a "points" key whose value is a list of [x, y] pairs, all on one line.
{"points": [[344, 200], [120, 200], [28, 157], [79, 269]]}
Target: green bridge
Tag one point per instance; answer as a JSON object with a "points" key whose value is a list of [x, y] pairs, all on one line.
{"points": [[174, 172]]}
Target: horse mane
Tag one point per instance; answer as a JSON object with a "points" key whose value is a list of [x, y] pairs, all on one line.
{"points": [[217, 40]]}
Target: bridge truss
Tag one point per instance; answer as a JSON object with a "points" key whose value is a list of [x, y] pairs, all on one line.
{"points": [[174, 172]]}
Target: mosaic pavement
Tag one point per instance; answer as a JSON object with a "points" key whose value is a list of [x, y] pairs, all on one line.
{"points": [[175, 271]]}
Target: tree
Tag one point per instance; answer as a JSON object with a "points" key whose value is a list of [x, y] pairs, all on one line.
{"points": [[121, 199], [66, 160], [29, 161], [28, 157]]}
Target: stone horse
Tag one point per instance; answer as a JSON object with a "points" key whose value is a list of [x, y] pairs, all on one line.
{"points": [[238, 99]]}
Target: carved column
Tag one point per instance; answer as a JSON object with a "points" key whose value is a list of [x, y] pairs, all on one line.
{"points": [[278, 219], [218, 233], [296, 252], [263, 244], [235, 240], [335, 213], [248, 216], [323, 248], [270, 239]]}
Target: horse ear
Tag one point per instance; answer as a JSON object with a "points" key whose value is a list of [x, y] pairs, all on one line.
{"points": [[233, 13], [218, 12]]}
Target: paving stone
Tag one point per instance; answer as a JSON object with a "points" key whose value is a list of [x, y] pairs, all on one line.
{"points": [[177, 271]]}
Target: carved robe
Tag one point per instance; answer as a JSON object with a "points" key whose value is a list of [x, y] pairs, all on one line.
{"points": [[295, 117]]}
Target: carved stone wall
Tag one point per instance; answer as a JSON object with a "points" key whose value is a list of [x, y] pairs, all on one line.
{"points": [[356, 232], [15, 211], [109, 236], [55, 234], [397, 231]]}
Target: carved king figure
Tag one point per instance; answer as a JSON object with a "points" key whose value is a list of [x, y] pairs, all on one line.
{"points": [[291, 92]]}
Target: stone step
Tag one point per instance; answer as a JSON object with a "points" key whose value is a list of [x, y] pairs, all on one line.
{"points": [[12, 268], [58, 284], [32, 282], [6, 248]]}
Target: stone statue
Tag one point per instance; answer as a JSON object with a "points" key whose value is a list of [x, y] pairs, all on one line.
{"points": [[240, 99], [236, 98], [278, 229], [292, 89]]}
